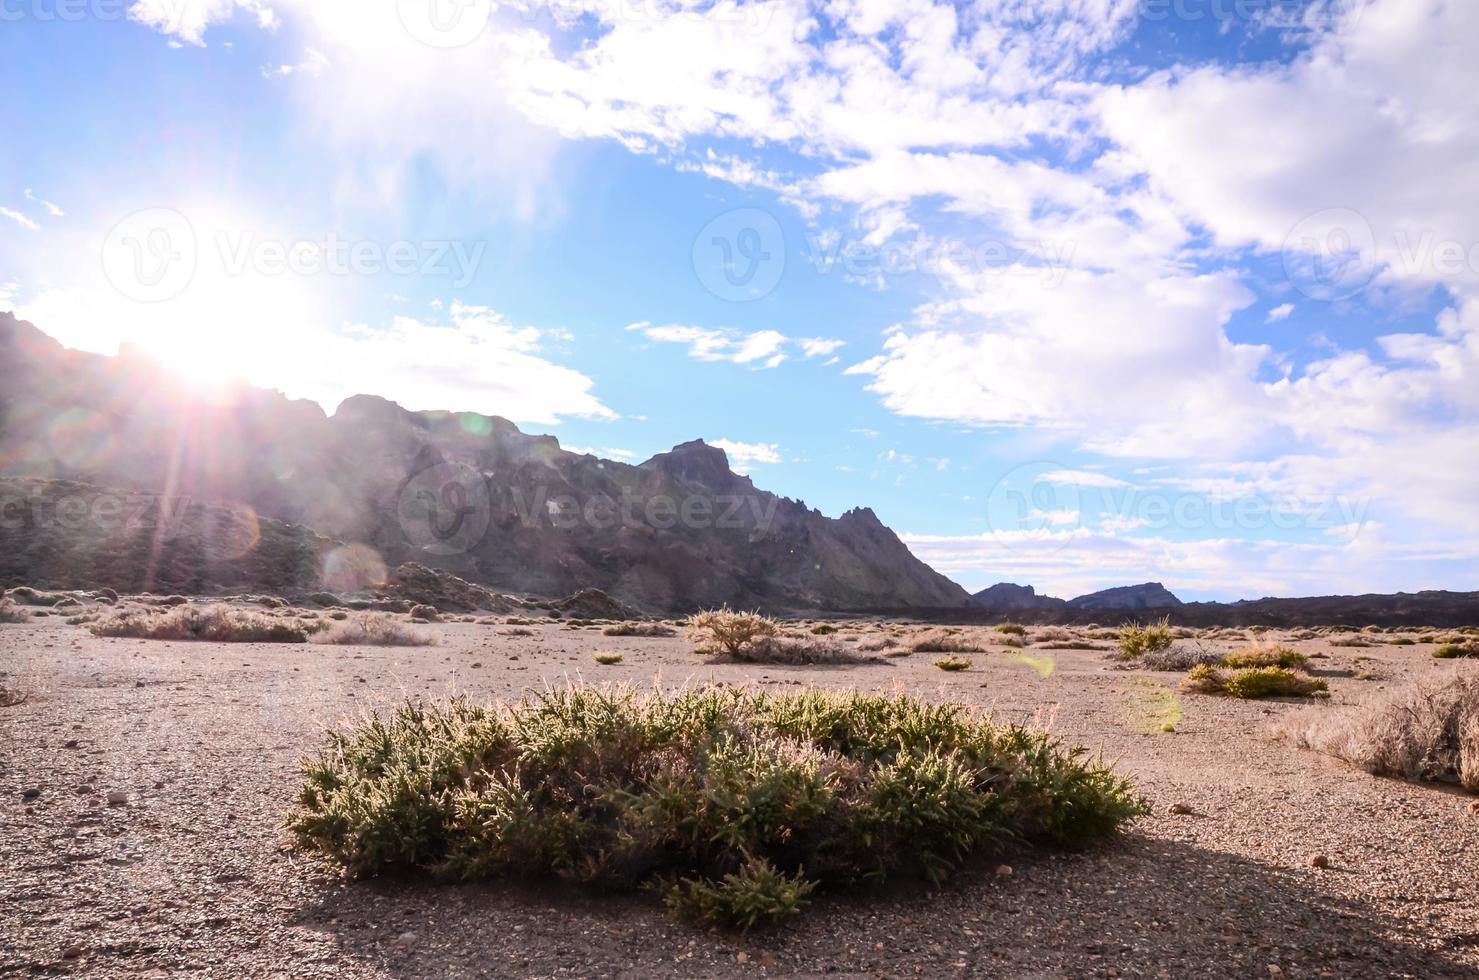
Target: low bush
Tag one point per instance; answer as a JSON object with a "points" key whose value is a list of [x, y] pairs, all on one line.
{"points": [[639, 629], [1426, 731], [727, 632], [11, 613], [732, 804], [214, 623], [606, 659], [1265, 657], [26, 596], [1180, 656], [375, 630], [1136, 640], [953, 663], [1252, 682], [823, 629], [797, 651], [1012, 629], [1455, 651], [943, 641]]}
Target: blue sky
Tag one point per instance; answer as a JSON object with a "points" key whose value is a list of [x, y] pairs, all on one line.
{"points": [[1072, 294]]}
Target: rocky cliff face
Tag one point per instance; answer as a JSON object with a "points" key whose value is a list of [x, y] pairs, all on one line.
{"points": [[470, 494], [1150, 595], [1007, 595]]}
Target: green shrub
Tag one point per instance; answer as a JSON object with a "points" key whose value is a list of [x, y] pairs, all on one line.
{"points": [[733, 803], [639, 629], [606, 659], [1014, 629], [1266, 657], [1253, 682], [1454, 651], [1136, 640], [953, 663], [217, 623], [727, 632]]}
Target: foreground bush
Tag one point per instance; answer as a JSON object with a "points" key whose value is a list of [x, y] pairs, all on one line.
{"points": [[1266, 657], [374, 630], [1455, 651], [11, 613], [1253, 682], [798, 651], [943, 641], [1136, 640], [1427, 731], [727, 632], [1179, 656], [732, 804], [214, 623]]}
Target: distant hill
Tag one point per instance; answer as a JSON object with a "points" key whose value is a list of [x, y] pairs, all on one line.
{"points": [[466, 493], [1006, 595]]}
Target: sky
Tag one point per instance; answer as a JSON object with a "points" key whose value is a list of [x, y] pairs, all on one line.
{"points": [[1072, 294]]}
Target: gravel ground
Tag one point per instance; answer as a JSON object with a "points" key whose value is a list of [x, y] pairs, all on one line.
{"points": [[154, 846]]}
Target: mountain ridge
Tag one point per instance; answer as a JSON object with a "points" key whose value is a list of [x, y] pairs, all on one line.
{"points": [[467, 493]]}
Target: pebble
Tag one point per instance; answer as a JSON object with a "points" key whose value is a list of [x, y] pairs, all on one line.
{"points": [[1319, 861], [1004, 871], [117, 797], [1181, 809], [30, 794]]}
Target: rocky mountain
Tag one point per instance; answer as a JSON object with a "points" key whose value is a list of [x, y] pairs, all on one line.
{"points": [[465, 493], [1150, 595], [1005, 595]]}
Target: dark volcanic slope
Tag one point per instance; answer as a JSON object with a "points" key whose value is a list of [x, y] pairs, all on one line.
{"points": [[467, 493]]}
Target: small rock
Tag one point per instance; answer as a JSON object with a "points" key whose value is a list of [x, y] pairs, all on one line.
{"points": [[1274, 970], [742, 957], [767, 959], [1181, 809], [117, 797], [30, 794], [1319, 861], [71, 743], [1004, 871], [71, 952], [1474, 808], [406, 939]]}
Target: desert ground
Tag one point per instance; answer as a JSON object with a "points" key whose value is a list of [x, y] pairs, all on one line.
{"points": [[144, 784]]}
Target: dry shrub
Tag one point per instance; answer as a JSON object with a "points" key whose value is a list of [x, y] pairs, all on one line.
{"points": [[943, 641], [216, 623], [1179, 657], [728, 632], [1455, 651], [606, 659], [639, 629], [953, 664], [796, 650], [1426, 731], [375, 630], [1136, 640], [11, 613], [1253, 683]]}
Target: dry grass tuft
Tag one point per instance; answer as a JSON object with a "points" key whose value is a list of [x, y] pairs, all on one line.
{"points": [[216, 623], [1253, 683], [728, 632], [943, 641], [11, 613], [1426, 731], [639, 629], [374, 630], [953, 664]]}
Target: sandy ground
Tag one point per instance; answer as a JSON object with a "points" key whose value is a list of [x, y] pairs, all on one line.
{"points": [[191, 876]]}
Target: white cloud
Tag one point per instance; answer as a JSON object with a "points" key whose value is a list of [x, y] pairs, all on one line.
{"points": [[1280, 312], [189, 19], [745, 455], [1081, 478], [51, 209], [766, 347], [20, 219]]}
